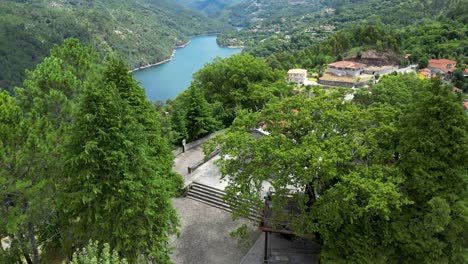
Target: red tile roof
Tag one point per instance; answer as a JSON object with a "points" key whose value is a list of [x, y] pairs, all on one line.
{"points": [[466, 105], [443, 65], [347, 64]]}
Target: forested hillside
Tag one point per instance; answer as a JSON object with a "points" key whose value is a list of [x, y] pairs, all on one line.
{"points": [[210, 8], [276, 28], [143, 31], [252, 12]]}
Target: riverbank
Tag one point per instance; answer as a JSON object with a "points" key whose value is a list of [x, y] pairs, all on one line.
{"points": [[154, 64], [233, 47], [174, 51], [183, 45]]}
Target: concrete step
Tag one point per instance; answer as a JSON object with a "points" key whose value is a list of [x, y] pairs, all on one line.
{"points": [[215, 197], [215, 192], [218, 201]]}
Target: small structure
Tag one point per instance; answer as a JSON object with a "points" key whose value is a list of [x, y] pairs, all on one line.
{"points": [[346, 68], [345, 74], [424, 73], [443, 67], [345, 81], [298, 76]]}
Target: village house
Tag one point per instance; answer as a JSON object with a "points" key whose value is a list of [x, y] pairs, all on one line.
{"points": [[298, 76], [442, 67], [346, 68], [345, 74]]}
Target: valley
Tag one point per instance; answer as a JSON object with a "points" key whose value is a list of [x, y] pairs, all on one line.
{"points": [[287, 131]]}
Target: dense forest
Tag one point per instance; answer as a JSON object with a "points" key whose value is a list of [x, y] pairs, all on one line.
{"points": [[210, 8], [142, 31]]}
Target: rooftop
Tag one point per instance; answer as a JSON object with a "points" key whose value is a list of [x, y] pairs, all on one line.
{"points": [[297, 71], [380, 68], [346, 79], [443, 65], [347, 64], [442, 61]]}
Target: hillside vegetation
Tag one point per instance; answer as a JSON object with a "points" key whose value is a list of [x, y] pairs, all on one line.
{"points": [[142, 31], [210, 8], [285, 26]]}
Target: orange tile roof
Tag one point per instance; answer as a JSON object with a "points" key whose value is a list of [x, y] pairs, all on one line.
{"points": [[442, 61], [442, 65], [347, 64]]}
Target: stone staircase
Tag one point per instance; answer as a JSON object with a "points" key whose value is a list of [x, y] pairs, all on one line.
{"points": [[215, 198]]}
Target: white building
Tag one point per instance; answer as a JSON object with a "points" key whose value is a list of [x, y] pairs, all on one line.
{"points": [[346, 68], [298, 76]]}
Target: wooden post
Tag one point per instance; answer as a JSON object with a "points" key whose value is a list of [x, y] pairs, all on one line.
{"points": [[265, 253]]}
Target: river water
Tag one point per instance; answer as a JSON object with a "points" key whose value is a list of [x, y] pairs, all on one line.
{"points": [[166, 81]]}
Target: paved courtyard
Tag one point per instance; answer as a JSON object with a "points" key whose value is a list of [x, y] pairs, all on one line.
{"points": [[205, 235], [204, 229]]}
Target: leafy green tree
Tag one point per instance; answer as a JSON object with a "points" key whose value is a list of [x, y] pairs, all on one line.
{"points": [[34, 160], [200, 120], [381, 182], [14, 187], [459, 80], [235, 83], [433, 147], [400, 91], [119, 178], [423, 63]]}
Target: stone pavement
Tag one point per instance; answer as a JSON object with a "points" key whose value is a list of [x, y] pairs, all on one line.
{"points": [[283, 250], [205, 235], [204, 229], [184, 160]]}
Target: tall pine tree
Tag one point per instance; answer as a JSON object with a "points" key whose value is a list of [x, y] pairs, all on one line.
{"points": [[120, 177]]}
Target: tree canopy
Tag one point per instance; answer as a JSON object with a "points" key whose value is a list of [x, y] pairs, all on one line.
{"points": [[83, 158], [370, 177]]}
